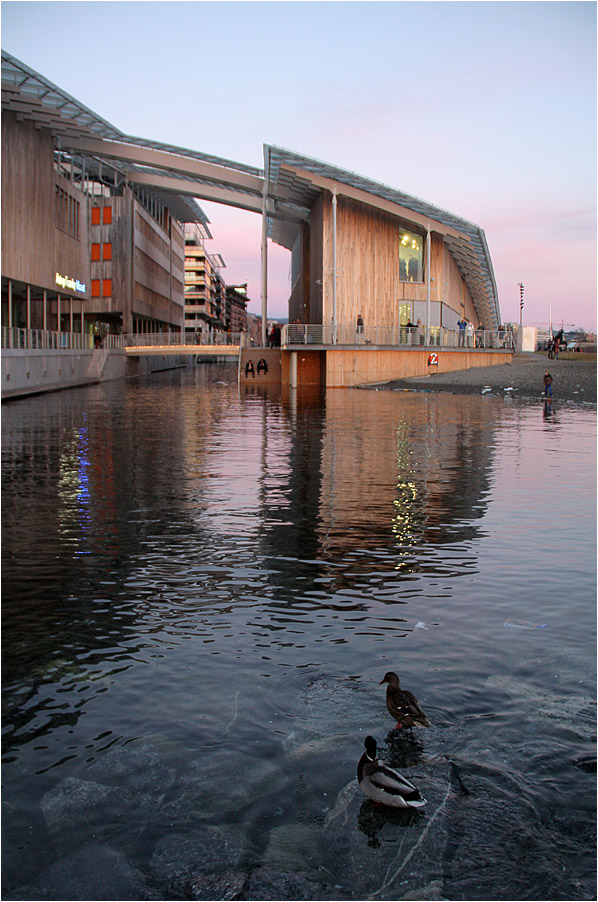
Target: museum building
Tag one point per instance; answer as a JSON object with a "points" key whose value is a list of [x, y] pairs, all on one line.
{"points": [[95, 224]]}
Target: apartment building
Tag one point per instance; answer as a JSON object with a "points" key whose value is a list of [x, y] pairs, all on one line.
{"points": [[205, 289], [236, 308]]}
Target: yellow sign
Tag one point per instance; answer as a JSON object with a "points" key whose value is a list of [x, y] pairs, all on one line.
{"points": [[68, 282]]}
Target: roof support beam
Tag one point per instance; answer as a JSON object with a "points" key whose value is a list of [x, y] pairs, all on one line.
{"points": [[170, 162], [197, 189]]}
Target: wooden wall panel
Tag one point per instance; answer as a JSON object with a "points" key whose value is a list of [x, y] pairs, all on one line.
{"points": [[362, 367], [34, 249], [367, 256]]}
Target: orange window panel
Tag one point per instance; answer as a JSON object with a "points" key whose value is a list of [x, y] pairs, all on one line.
{"points": [[106, 288], [95, 251], [95, 288], [107, 251], [95, 215], [107, 215]]}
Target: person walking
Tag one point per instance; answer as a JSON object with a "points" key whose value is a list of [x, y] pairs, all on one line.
{"points": [[547, 385]]}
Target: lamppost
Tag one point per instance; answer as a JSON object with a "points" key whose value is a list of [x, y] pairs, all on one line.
{"points": [[521, 287]]}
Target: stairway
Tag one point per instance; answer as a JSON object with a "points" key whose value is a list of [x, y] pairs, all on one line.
{"points": [[96, 364], [253, 356]]}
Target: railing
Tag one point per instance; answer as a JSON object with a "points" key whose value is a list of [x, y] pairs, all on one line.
{"points": [[292, 335], [295, 334], [162, 339], [43, 340]]}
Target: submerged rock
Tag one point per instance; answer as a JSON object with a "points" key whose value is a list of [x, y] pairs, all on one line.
{"points": [[200, 862], [134, 768], [75, 810], [327, 709], [26, 844], [222, 782], [294, 847], [545, 705], [272, 884], [93, 872], [222, 885]]}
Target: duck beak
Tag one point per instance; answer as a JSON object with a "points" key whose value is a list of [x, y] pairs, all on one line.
{"points": [[381, 681]]}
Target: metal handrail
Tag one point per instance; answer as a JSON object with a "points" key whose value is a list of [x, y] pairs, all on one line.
{"points": [[14, 338], [297, 334], [150, 339], [292, 335]]}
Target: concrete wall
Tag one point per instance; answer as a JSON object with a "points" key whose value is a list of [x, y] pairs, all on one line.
{"points": [[33, 372]]}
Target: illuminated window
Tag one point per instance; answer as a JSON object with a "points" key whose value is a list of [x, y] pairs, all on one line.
{"points": [[95, 251], [95, 215], [107, 215], [411, 256], [95, 288], [107, 252], [106, 288]]}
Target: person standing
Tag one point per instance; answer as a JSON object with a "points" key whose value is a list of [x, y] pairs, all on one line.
{"points": [[470, 333], [461, 323], [547, 385], [359, 329]]}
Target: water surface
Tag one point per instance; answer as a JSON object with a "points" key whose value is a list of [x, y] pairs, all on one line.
{"points": [[202, 589]]}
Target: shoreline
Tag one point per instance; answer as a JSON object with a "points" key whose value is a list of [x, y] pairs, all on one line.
{"points": [[573, 381]]}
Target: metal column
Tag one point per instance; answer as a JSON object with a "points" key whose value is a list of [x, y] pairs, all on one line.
{"points": [[264, 265], [334, 264], [428, 248]]}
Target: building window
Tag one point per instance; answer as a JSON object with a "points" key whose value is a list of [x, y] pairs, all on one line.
{"points": [[107, 215], [107, 251], [95, 288], [107, 288], [95, 215], [411, 256], [95, 251]]}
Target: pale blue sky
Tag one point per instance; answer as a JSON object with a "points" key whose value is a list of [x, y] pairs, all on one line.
{"points": [[485, 109]]}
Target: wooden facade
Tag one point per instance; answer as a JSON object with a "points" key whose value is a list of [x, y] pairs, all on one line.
{"points": [[44, 232], [128, 266], [349, 367], [368, 279]]}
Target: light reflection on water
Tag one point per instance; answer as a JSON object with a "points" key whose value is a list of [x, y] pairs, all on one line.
{"points": [[224, 578]]}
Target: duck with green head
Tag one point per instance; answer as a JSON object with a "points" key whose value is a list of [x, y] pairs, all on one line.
{"points": [[383, 784]]}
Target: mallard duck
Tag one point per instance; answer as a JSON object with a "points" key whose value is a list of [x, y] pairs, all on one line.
{"points": [[403, 705], [382, 784]]}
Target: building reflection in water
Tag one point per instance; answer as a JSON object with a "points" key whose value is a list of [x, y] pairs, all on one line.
{"points": [[405, 468]]}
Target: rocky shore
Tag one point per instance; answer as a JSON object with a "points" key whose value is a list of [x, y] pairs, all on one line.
{"points": [[574, 381]]}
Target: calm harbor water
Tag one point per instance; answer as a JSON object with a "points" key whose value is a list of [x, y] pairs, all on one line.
{"points": [[202, 589]]}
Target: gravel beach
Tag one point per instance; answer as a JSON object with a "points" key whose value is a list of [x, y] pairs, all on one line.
{"points": [[574, 381]]}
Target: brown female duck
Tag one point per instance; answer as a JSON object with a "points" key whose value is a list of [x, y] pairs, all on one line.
{"points": [[403, 705]]}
